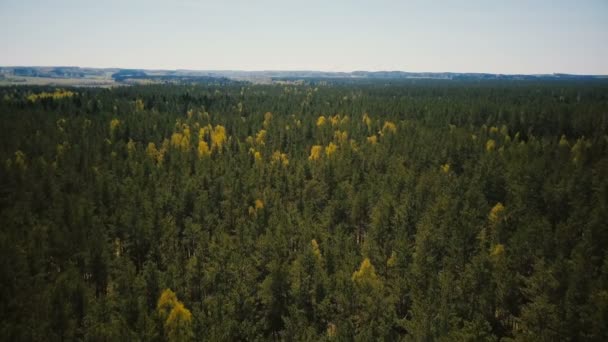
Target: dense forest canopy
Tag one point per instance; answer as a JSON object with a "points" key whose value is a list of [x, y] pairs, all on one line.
{"points": [[417, 210]]}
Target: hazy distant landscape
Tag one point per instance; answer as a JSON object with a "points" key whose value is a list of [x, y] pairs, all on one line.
{"points": [[75, 76]]}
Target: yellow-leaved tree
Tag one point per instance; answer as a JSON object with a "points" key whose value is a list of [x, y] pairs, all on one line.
{"points": [[20, 160], [203, 149], [335, 120], [139, 105], [367, 121], [496, 213], [180, 141], [445, 168], [315, 152], [152, 151], [490, 145], [315, 249], [278, 157], [204, 131], [157, 155], [258, 205], [563, 141], [177, 319], [321, 121], [331, 149], [366, 276], [389, 127], [131, 147], [267, 119], [341, 136], [114, 123], [260, 138], [218, 137]]}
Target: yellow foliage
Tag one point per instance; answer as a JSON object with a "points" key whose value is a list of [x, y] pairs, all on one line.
{"points": [[353, 145], [20, 160], [331, 149], [249, 140], [151, 151], [267, 119], [497, 250], [166, 302], [315, 152], [345, 120], [504, 130], [130, 146], [493, 130], [490, 145], [139, 105], [161, 152], [332, 330], [321, 121], [218, 137], [257, 156], [203, 131], [259, 204], [176, 139], [563, 141], [366, 275], [260, 138], [496, 212], [372, 140], [315, 249], [445, 168], [179, 140], [341, 136], [579, 148], [392, 261], [278, 157], [177, 318], [203, 149], [389, 127], [335, 120], [114, 123], [367, 121], [56, 95]]}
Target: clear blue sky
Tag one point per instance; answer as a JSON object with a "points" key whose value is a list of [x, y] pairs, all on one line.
{"points": [[508, 36]]}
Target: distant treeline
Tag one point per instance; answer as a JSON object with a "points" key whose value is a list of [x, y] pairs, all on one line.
{"points": [[125, 75]]}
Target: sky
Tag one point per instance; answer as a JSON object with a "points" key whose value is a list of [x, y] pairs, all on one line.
{"points": [[508, 36]]}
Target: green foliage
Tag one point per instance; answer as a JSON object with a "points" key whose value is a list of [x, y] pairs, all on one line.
{"points": [[420, 210]]}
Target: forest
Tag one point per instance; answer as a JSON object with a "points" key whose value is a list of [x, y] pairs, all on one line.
{"points": [[413, 210]]}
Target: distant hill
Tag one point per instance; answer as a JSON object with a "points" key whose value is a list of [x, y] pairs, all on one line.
{"points": [[66, 75]]}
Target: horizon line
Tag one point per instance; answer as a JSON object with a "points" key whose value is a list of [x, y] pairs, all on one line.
{"points": [[303, 70]]}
